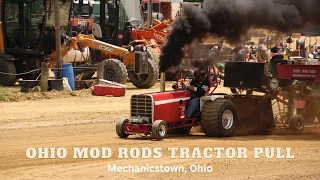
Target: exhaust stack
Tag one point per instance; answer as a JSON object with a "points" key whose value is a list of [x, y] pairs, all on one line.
{"points": [[162, 81]]}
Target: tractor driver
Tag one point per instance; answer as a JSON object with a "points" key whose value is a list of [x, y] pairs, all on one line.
{"points": [[198, 87]]}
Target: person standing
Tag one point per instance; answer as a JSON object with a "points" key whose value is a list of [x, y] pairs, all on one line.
{"points": [[263, 55], [277, 54], [238, 53]]}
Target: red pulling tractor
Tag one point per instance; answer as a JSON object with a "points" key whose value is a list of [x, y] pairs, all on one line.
{"points": [[222, 114]]}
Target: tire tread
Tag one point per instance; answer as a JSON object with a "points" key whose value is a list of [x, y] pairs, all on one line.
{"points": [[120, 68], [210, 115]]}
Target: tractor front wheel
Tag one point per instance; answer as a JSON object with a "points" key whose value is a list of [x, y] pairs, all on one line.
{"points": [[145, 80], [115, 70], [219, 118], [120, 128], [7, 68], [159, 129]]}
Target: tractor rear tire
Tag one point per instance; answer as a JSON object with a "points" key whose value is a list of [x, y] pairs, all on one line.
{"points": [[120, 128], [219, 118], [7, 67], [159, 129], [115, 70], [148, 80], [296, 123]]}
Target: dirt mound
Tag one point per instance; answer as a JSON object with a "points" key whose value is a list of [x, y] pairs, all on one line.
{"points": [[13, 94]]}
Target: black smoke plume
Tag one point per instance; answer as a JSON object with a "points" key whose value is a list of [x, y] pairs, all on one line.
{"points": [[233, 18]]}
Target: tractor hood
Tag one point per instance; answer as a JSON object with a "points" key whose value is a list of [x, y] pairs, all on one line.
{"points": [[168, 106]]}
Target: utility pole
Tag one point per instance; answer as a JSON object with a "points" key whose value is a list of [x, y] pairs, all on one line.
{"points": [[150, 6], [58, 39]]}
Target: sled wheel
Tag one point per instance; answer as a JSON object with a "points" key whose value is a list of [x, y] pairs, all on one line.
{"points": [[115, 70], [120, 128], [219, 118], [159, 129], [309, 113], [296, 123]]}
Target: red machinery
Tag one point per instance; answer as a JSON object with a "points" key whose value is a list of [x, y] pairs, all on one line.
{"points": [[165, 109], [299, 72], [302, 84], [155, 36], [220, 114]]}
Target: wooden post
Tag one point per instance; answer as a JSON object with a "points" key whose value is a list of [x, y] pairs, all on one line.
{"points": [[44, 77], [58, 39], [100, 71], [162, 81]]}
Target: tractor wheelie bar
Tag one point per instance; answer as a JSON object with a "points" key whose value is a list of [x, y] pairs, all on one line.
{"points": [[222, 115]]}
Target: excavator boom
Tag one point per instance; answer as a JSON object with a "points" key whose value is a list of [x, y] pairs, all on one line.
{"points": [[90, 41], [135, 57]]}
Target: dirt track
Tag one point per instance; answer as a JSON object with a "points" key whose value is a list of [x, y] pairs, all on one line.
{"points": [[90, 122]]}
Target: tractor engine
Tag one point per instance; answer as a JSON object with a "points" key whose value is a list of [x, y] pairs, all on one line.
{"points": [[141, 109]]}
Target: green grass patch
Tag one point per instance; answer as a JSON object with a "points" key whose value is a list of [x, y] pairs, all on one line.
{"points": [[8, 92]]}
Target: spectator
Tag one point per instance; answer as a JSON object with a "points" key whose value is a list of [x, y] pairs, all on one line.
{"points": [[277, 58], [263, 56], [238, 53]]}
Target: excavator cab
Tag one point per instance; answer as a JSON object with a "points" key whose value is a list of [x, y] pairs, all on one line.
{"points": [[23, 22], [118, 20], [27, 27]]}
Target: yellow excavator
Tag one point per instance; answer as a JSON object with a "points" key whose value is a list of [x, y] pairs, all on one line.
{"points": [[27, 38]]}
